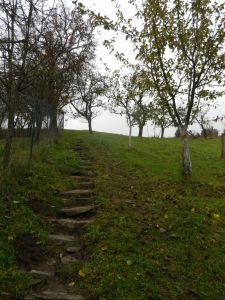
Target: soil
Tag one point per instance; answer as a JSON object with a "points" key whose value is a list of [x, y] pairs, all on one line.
{"points": [[29, 252]]}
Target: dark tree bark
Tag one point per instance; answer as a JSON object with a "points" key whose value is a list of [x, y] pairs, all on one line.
{"points": [[162, 132], [53, 122], [38, 128], [8, 141], [140, 133], [90, 126]]}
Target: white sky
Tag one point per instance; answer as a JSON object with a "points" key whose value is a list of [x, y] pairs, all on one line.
{"points": [[108, 122]]}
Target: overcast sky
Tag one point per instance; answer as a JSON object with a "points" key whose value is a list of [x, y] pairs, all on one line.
{"points": [[108, 122]]}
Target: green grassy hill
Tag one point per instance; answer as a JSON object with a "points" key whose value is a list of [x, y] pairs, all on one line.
{"points": [[157, 235]]}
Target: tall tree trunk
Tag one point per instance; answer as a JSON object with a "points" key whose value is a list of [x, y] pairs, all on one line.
{"points": [[38, 127], [90, 126], [187, 168], [140, 133], [130, 136], [53, 122], [162, 132], [8, 141]]}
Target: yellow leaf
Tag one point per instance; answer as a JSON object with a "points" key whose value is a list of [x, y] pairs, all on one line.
{"points": [[71, 284], [81, 273], [216, 216], [129, 262], [104, 248], [193, 210], [166, 216], [10, 238]]}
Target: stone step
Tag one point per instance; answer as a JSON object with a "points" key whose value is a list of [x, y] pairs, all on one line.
{"points": [[73, 249], [61, 238], [78, 192], [68, 259], [41, 273], [80, 201], [86, 162], [53, 295], [71, 223], [86, 184], [76, 211]]}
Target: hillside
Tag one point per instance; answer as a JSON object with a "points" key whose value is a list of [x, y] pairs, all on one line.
{"points": [[156, 234]]}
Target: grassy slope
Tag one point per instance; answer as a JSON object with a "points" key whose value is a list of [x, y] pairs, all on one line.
{"points": [[157, 235], [27, 185]]}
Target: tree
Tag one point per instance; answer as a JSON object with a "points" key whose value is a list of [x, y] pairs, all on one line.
{"points": [[203, 121], [123, 99], [67, 44], [182, 45], [88, 94], [160, 117], [16, 21], [40, 47]]}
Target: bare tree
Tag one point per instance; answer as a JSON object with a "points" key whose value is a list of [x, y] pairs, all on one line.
{"points": [[88, 94]]}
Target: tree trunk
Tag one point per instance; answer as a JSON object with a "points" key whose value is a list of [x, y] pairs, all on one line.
{"points": [[162, 132], [38, 127], [140, 133], [8, 141], [187, 168], [90, 126], [53, 122], [130, 136], [222, 147]]}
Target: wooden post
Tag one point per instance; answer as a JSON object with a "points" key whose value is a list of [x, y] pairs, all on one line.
{"points": [[222, 148]]}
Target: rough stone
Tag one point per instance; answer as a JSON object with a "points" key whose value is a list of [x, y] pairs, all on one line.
{"points": [[61, 238], [73, 249], [75, 211], [78, 192], [68, 259], [41, 273], [53, 295], [70, 223]]}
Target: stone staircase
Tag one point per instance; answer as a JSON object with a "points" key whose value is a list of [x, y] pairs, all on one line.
{"points": [[76, 214]]}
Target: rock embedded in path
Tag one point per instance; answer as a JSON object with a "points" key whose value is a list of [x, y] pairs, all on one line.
{"points": [[71, 224], [68, 259], [78, 192], [53, 295], [76, 211], [73, 249], [41, 273], [61, 238]]}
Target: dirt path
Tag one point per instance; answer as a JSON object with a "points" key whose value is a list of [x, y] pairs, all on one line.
{"points": [[78, 212]]}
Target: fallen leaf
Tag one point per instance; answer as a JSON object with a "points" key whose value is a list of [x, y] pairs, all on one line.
{"points": [[81, 273], [216, 216], [129, 262], [71, 284], [104, 248]]}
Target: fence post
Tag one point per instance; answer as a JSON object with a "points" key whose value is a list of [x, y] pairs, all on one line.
{"points": [[222, 148], [33, 119]]}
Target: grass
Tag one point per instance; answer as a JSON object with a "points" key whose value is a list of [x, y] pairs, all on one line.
{"points": [[25, 193], [157, 235]]}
